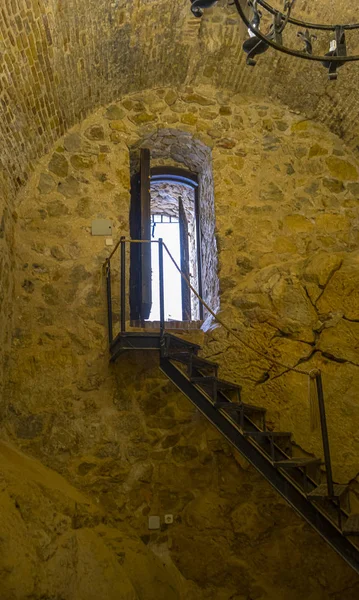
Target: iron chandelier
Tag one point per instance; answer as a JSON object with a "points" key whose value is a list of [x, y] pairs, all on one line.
{"points": [[282, 26]]}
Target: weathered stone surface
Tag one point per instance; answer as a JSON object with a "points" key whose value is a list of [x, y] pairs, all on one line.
{"points": [[80, 162], [28, 286], [171, 97], [95, 132], [317, 150], [56, 208], [72, 142], [71, 556], [57, 253], [273, 192], [198, 99], [341, 169], [226, 143], [321, 267], [64, 64], [50, 294], [189, 119], [84, 207], [334, 185], [341, 294], [142, 118], [70, 186], [47, 183], [59, 165], [353, 188], [183, 454], [120, 432], [300, 126], [2, 224], [114, 113], [115, 137], [29, 427], [244, 264], [298, 223]]}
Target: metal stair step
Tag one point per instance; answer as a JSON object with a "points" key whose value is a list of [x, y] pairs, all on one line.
{"points": [[292, 463], [220, 383], [178, 343], [264, 448], [351, 526], [236, 407], [322, 491], [196, 361], [267, 434]]}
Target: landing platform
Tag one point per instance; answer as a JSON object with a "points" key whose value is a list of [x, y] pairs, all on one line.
{"points": [[146, 340]]}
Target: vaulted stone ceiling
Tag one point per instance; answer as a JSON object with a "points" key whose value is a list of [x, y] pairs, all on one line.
{"points": [[61, 59]]}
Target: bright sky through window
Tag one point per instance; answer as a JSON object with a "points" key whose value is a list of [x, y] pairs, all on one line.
{"points": [[169, 232]]}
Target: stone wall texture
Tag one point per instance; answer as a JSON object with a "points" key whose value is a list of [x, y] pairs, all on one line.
{"points": [[7, 217], [286, 217], [63, 59], [63, 546]]}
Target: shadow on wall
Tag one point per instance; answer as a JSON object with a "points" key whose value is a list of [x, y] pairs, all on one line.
{"points": [[171, 147], [6, 273]]}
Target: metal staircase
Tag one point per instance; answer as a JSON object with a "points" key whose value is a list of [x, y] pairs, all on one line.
{"points": [[325, 506], [296, 479]]}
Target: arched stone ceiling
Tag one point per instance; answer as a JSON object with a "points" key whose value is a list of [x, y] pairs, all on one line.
{"points": [[61, 59]]}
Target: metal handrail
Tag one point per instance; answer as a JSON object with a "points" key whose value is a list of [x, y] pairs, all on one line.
{"points": [[313, 374]]}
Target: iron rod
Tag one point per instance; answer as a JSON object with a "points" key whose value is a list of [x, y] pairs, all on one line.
{"points": [[325, 437], [161, 286], [123, 284], [307, 25], [109, 302], [285, 49]]}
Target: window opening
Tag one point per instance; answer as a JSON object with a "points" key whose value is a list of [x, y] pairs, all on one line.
{"points": [[174, 219], [165, 203]]}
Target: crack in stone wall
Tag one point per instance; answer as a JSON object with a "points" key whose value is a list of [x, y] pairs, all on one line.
{"points": [[285, 192]]}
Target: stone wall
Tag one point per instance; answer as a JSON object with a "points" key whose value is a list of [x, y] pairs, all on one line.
{"points": [[61, 60], [286, 197], [6, 276], [56, 543]]}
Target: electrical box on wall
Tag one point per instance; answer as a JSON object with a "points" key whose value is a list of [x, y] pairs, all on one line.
{"points": [[101, 227]]}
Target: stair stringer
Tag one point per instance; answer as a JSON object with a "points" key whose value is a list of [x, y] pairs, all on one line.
{"points": [[286, 487]]}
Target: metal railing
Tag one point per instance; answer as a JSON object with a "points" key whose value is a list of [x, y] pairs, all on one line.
{"points": [[325, 436], [122, 244], [316, 374]]}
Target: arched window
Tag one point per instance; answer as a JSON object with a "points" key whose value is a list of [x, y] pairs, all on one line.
{"points": [[168, 208]]}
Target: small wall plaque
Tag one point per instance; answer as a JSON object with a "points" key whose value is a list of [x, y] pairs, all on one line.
{"points": [[102, 227]]}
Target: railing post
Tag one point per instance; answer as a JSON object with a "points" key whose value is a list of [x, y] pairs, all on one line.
{"points": [[161, 285], [325, 438], [123, 284], [109, 301]]}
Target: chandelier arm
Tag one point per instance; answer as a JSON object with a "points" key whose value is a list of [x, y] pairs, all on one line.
{"points": [[299, 23], [285, 16], [290, 51]]}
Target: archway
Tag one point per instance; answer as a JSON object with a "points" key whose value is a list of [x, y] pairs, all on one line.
{"points": [[172, 149]]}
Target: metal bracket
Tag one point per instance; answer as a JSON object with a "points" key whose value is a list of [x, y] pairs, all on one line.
{"points": [[198, 6], [307, 39], [338, 47], [254, 45]]}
